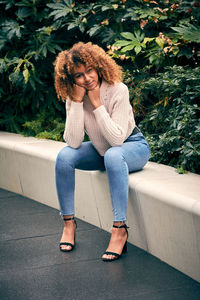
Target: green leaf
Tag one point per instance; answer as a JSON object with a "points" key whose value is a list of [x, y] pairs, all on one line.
{"points": [[121, 43], [128, 48], [94, 30], [12, 28], [104, 8], [139, 35], [189, 32], [23, 13], [32, 82], [71, 26], [175, 51], [26, 75], [160, 42], [60, 10], [146, 40], [68, 2], [128, 36], [138, 49]]}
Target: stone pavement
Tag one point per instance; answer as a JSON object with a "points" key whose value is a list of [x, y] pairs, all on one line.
{"points": [[32, 267]]}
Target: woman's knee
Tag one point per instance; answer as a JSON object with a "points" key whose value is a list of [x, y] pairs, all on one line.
{"points": [[64, 156], [113, 156]]}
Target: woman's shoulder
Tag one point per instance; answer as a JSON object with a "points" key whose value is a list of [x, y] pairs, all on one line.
{"points": [[120, 86], [119, 91], [116, 87]]}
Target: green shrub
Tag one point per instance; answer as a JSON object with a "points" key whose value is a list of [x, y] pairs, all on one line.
{"points": [[45, 125], [150, 36], [172, 126], [163, 33]]}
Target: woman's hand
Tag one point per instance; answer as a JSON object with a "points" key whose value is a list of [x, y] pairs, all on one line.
{"points": [[94, 96], [78, 93]]}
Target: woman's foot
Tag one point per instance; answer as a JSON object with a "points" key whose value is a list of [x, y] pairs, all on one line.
{"points": [[117, 243], [67, 241]]}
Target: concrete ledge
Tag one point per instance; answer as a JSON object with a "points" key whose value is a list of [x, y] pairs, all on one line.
{"points": [[163, 210]]}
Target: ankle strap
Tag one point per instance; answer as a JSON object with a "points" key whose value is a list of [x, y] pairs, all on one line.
{"points": [[68, 219], [121, 226]]}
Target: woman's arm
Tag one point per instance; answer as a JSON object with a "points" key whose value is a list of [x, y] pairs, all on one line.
{"points": [[74, 126], [114, 127]]}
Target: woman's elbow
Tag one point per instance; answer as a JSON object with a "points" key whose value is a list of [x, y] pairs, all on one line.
{"points": [[117, 142], [72, 143]]}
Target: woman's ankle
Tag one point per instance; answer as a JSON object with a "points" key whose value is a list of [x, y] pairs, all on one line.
{"points": [[118, 223], [68, 217]]}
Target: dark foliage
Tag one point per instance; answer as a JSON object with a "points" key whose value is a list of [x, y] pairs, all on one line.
{"points": [[156, 42]]}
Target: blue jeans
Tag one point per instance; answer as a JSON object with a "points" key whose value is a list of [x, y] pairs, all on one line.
{"points": [[118, 162]]}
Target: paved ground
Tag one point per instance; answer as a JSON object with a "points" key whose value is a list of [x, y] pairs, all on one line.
{"points": [[32, 267]]}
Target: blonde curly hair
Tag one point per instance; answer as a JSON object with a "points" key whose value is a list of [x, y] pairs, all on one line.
{"points": [[87, 54]]}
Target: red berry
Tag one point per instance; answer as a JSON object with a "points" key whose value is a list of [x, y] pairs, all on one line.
{"points": [[196, 4], [189, 10]]}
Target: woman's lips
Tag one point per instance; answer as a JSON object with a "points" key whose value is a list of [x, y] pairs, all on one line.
{"points": [[90, 85]]}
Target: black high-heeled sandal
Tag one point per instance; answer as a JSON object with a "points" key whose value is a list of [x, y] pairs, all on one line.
{"points": [[65, 243], [124, 250]]}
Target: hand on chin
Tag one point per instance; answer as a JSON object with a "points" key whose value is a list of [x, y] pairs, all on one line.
{"points": [[94, 96]]}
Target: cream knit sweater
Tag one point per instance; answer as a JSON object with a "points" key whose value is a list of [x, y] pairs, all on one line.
{"points": [[107, 126]]}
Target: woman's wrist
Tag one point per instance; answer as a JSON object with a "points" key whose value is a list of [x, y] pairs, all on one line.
{"points": [[77, 100], [97, 105]]}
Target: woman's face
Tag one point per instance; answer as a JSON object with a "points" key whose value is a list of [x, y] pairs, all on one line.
{"points": [[86, 77]]}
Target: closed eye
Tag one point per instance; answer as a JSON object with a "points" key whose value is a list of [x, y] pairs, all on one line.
{"points": [[77, 75], [89, 70]]}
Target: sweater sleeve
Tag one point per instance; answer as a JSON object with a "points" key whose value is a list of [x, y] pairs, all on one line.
{"points": [[114, 126], [74, 126]]}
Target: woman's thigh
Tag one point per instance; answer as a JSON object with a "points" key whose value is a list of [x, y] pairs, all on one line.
{"points": [[136, 154], [85, 157]]}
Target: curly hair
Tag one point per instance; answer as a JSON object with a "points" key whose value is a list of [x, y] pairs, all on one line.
{"points": [[87, 54]]}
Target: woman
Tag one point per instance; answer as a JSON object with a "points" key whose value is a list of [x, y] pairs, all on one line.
{"points": [[97, 102]]}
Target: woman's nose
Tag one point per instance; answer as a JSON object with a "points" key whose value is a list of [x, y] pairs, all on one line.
{"points": [[87, 77]]}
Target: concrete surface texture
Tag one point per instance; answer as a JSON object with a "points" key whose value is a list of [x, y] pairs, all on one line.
{"points": [[163, 210], [32, 267]]}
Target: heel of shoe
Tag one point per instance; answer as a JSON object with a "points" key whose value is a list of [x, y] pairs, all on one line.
{"points": [[125, 248], [65, 219]]}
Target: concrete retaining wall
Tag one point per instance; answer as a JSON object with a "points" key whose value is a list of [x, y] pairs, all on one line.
{"points": [[163, 209]]}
